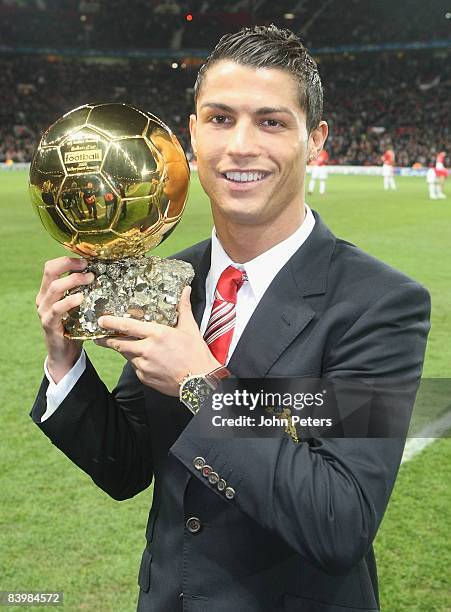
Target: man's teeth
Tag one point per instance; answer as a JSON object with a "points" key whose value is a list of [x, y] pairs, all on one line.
{"points": [[244, 177]]}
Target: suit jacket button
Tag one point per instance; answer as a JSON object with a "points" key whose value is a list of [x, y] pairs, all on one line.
{"points": [[199, 463], [193, 524], [206, 471], [229, 493], [213, 478], [221, 484]]}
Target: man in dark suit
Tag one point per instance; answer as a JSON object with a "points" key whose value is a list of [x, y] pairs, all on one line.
{"points": [[255, 524]]}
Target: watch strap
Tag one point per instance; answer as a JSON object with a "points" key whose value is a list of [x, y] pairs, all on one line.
{"points": [[215, 376]]}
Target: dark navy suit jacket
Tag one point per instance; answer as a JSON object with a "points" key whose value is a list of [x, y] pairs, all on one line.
{"points": [[298, 533]]}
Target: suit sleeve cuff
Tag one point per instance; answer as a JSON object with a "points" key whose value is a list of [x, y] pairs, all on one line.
{"points": [[57, 393]]}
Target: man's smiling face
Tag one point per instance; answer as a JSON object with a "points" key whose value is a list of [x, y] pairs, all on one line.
{"points": [[251, 142]]}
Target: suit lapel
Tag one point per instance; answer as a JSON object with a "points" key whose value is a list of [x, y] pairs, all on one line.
{"points": [[278, 319], [283, 312]]}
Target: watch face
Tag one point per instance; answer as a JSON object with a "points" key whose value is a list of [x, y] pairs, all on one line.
{"points": [[194, 392]]}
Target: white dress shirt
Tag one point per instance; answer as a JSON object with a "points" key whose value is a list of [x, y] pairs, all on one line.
{"points": [[260, 273]]}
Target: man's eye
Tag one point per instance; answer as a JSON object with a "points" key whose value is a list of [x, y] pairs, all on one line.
{"points": [[271, 123], [219, 119]]}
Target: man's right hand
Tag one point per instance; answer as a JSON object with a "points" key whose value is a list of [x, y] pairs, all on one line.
{"points": [[51, 304]]}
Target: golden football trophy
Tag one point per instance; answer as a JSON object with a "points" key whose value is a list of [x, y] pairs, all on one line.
{"points": [[110, 183]]}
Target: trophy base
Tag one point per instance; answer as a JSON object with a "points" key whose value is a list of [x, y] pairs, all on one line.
{"points": [[143, 288]]}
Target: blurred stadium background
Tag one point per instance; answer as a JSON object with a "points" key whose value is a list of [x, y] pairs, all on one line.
{"points": [[386, 70]]}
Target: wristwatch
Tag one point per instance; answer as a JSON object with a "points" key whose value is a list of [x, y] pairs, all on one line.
{"points": [[195, 388]]}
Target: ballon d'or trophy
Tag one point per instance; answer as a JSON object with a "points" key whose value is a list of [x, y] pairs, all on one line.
{"points": [[110, 183]]}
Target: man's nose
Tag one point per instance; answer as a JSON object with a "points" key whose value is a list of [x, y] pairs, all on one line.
{"points": [[243, 140]]}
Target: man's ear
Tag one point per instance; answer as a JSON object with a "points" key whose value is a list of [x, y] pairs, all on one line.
{"points": [[192, 131], [316, 140]]}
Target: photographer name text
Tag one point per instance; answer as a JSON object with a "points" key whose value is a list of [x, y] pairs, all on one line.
{"points": [[269, 421]]}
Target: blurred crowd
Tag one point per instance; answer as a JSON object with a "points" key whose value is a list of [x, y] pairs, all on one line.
{"points": [[144, 24], [371, 102], [384, 101], [35, 92]]}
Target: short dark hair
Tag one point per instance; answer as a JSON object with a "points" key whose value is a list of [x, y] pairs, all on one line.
{"points": [[272, 47]]}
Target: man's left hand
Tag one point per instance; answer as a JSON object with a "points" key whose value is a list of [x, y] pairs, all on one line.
{"points": [[161, 355]]}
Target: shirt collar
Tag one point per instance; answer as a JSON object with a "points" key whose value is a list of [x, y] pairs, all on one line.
{"points": [[261, 270]]}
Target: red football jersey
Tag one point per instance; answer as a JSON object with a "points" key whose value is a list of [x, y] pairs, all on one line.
{"points": [[440, 169], [323, 158], [389, 157]]}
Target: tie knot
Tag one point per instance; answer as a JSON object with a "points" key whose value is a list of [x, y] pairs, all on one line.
{"points": [[229, 283]]}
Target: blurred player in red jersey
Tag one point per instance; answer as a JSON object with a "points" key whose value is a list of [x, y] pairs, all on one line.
{"points": [[319, 171], [89, 198], [388, 161], [442, 173]]}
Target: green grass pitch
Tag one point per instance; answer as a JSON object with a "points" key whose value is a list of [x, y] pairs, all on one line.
{"points": [[59, 532]]}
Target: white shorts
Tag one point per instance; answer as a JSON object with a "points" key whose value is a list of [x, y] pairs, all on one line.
{"points": [[319, 172], [387, 170]]}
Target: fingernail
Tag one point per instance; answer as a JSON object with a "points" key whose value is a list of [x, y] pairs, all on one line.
{"points": [[90, 277], [83, 262], [100, 320]]}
